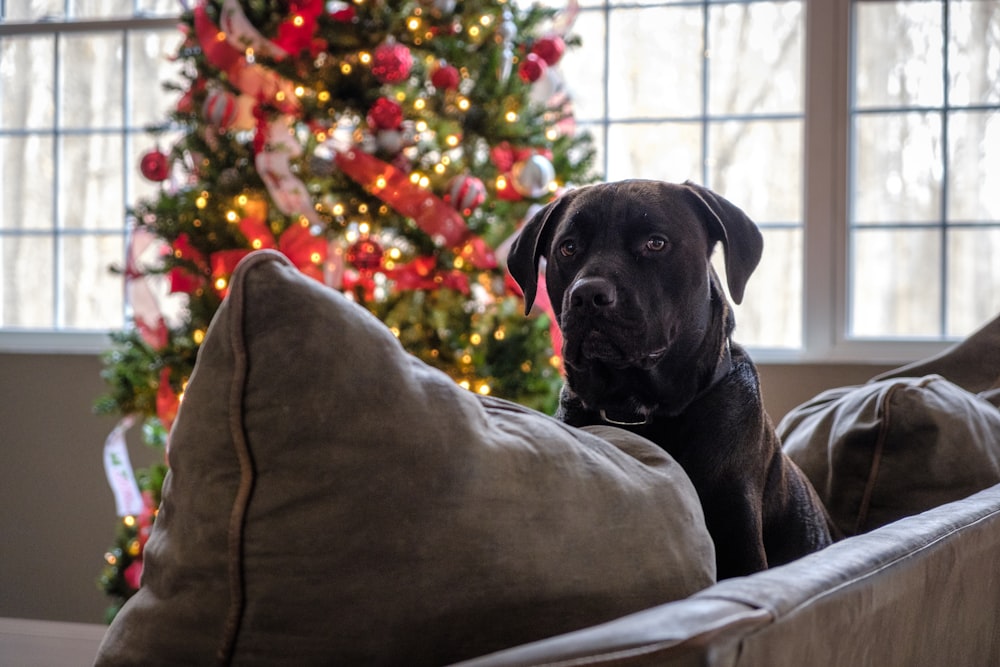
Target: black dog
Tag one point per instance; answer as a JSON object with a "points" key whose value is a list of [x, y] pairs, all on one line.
{"points": [[647, 331]]}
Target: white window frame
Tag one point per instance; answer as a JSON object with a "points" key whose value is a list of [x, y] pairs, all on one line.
{"points": [[827, 198], [49, 340], [826, 201]]}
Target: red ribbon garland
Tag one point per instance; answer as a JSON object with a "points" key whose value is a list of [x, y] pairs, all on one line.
{"points": [[435, 217]]}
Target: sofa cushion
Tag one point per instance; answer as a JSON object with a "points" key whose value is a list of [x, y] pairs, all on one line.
{"points": [[332, 498], [894, 447]]}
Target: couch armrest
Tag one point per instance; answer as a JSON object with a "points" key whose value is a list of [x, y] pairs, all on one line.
{"points": [[920, 591]]}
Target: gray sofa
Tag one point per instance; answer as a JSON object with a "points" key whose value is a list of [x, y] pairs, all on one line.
{"points": [[332, 500], [924, 590]]}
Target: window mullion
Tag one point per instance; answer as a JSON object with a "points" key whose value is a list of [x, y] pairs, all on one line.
{"points": [[826, 132]]}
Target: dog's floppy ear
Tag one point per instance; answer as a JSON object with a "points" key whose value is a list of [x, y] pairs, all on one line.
{"points": [[531, 244], [741, 240]]}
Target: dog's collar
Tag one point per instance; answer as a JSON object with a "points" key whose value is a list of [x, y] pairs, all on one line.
{"points": [[615, 422], [721, 370]]}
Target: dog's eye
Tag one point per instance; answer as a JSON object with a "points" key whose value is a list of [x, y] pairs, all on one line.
{"points": [[656, 243], [567, 248]]}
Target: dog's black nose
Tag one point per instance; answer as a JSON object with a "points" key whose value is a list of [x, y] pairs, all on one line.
{"points": [[596, 292]]}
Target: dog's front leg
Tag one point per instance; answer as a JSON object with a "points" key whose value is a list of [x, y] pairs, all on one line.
{"points": [[734, 522]]}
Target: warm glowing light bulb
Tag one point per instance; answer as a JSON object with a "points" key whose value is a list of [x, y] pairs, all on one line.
{"points": [[484, 389], [345, 68], [232, 216], [220, 284], [475, 339], [510, 116], [201, 202]]}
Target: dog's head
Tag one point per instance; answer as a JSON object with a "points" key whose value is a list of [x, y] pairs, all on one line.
{"points": [[629, 276]]}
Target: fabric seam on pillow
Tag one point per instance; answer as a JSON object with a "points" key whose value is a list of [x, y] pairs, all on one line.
{"points": [[883, 434], [237, 517]]}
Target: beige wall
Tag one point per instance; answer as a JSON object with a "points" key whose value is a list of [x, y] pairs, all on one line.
{"points": [[58, 514]]}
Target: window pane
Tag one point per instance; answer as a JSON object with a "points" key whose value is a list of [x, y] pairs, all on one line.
{"points": [[150, 68], [26, 176], [896, 286], [26, 76], [93, 295], [898, 56], [758, 166], [972, 264], [91, 192], [974, 52], [157, 7], [771, 312], [756, 58], [661, 151], [898, 168], [91, 80], [663, 77], [583, 68], [26, 267], [32, 10], [90, 9], [974, 166]]}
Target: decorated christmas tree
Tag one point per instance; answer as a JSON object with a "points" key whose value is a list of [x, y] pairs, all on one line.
{"points": [[390, 149]]}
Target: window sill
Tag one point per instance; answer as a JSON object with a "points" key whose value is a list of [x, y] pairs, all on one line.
{"points": [[27, 341]]}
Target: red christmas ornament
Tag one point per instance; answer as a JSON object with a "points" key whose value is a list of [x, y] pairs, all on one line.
{"points": [[385, 114], [220, 109], [465, 193], [155, 166], [342, 12], [391, 62], [549, 48], [446, 77], [532, 68], [365, 254]]}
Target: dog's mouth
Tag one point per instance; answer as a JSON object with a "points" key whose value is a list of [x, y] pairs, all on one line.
{"points": [[596, 346]]}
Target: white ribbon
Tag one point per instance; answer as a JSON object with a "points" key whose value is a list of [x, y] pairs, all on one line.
{"points": [[118, 468], [243, 35], [273, 164]]}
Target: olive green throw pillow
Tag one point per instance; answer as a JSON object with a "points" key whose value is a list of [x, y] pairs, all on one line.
{"points": [[334, 501], [893, 448]]}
